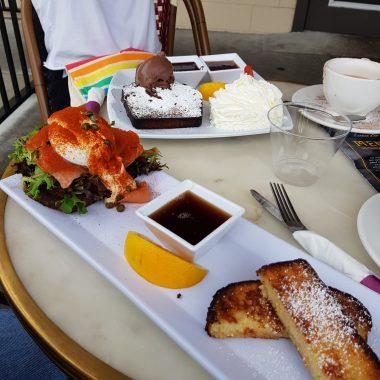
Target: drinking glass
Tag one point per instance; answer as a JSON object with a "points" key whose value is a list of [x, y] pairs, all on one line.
{"points": [[302, 147]]}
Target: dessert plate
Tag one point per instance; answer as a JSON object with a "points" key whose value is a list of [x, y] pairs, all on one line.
{"points": [[314, 94], [116, 112], [368, 227], [98, 237]]}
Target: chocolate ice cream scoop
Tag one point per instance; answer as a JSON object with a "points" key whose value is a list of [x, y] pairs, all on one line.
{"points": [[155, 72]]}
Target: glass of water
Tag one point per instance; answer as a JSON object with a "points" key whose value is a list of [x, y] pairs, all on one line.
{"points": [[304, 138]]}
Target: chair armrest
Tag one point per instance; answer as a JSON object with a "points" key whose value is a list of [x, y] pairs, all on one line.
{"points": [[34, 57]]}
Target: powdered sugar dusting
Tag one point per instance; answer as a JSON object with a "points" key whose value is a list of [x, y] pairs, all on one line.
{"points": [[270, 358], [319, 317], [318, 310], [178, 101]]}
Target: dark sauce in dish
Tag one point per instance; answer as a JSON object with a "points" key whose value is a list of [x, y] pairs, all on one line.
{"points": [[190, 217], [222, 65], [184, 66]]}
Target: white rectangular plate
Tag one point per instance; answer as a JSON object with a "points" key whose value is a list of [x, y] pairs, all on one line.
{"points": [[116, 112], [98, 237]]}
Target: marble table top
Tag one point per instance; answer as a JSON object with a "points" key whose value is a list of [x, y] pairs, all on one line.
{"points": [[97, 316]]}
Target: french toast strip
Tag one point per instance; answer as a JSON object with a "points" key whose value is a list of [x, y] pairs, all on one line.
{"points": [[239, 310], [324, 336]]}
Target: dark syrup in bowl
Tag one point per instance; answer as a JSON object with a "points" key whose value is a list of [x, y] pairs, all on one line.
{"points": [[190, 217], [222, 65], [184, 66]]}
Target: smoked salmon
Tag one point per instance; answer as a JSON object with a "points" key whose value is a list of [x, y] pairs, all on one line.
{"points": [[38, 140], [52, 163], [127, 145], [142, 194]]}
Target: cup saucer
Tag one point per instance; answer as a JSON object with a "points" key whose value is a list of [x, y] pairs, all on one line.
{"points": [[314, 94]]}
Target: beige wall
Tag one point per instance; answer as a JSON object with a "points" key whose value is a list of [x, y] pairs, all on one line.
{"points": [[244, 16]]}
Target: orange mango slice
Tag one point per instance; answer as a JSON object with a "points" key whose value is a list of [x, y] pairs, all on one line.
{"points": [[158, 265], [207, 89]]}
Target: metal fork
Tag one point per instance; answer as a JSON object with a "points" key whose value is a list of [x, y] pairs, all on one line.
{"points": [[286, 208]]}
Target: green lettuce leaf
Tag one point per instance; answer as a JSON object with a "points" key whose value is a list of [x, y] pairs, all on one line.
{"points": [[20, 153], [38, 179], [69, 202]]}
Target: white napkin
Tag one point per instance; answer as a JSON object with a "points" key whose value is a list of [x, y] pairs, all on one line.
{"points": [[326, 251]]}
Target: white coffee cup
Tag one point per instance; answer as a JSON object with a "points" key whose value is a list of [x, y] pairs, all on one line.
{"points": [[352, 85]]}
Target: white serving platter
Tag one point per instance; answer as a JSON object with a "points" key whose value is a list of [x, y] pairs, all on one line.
{"points": [[98, 237], [314, 94], [116, 112]]}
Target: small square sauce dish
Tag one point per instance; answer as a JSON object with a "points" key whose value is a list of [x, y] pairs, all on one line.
{"points": [[189, 219], [188, 69], [224, 67]]}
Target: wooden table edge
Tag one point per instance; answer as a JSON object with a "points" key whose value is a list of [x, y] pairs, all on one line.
{"points": [[66, 353]]}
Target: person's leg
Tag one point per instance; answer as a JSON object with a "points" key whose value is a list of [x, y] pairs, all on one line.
{"points": [[20, 357], [57, 89]]}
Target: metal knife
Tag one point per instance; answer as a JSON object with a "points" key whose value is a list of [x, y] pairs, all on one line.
{"points": [[268, 205]]}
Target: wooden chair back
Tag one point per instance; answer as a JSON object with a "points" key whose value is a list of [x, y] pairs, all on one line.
{"points": [[165, 21]]}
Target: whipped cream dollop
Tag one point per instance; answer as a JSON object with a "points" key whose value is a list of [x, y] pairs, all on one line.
{"points": [[243, 105]]}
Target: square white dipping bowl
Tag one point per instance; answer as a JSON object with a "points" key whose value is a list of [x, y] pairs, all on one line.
{"points": [[175, 243], [191, 77], [226, 76]]}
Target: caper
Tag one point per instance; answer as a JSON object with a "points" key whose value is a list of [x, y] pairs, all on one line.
{"points": [[110, 205], [120, 208], [119, 197], [112, 123], [93, 118], [89, 113], [86, 126], [107, 142], [128, 189], [94, 127]]}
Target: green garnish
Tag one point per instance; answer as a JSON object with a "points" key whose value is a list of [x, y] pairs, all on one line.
{"points": [[69, 202], [152, 155], [149, 161], [21, 153], [38, 179]]}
